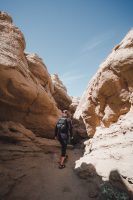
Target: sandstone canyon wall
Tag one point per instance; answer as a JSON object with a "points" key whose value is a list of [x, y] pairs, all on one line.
{"points": [[107, 110], [60, 95], [74, 104], [108, 94], [25, 84]]}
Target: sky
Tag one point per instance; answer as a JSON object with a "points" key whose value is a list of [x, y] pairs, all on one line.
{"points": [[73, 37]]}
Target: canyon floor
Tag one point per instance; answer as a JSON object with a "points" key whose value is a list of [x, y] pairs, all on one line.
{"points": [[29, 170], [26, 174]]}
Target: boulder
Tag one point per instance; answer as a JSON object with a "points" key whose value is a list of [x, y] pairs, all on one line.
{"points": [[107, 110], [60, 95], [25, 84], [40, 72], [74, 104], [110, 153], [108, 94], [79, 129]]}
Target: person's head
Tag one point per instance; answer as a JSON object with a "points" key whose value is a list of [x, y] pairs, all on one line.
{"points": [[65, 113]]}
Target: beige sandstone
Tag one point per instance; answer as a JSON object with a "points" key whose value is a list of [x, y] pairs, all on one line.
{"points": [[60, 95], [107, 110], [25, 84], [74, 104], [79, 129], [110, 153], [108, 93]]}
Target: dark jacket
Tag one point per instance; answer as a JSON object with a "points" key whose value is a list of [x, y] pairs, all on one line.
{"points": [[68, 128]]}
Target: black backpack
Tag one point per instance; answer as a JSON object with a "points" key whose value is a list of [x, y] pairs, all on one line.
{"points": [[62, 125]]}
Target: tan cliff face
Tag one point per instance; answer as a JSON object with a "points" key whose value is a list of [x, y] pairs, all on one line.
{"points": [[74, 104], [109, 155], [107, 110], [25, 84], [108, 94], [60, 95]]}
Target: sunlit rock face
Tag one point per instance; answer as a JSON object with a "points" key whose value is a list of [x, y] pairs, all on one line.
{"points": [[74, 104], [108, 93], [40, 72], [110, 150], [60, 95], [79, 128], [107, 110], [25, 84]]}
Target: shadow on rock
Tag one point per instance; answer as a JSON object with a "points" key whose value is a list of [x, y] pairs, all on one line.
{"points": [[116, 188]]}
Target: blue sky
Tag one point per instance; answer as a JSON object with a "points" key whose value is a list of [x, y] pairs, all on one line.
{"points": [[73, 37]]}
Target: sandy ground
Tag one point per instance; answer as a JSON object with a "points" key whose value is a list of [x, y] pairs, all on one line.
{"points": [[37, 177]]}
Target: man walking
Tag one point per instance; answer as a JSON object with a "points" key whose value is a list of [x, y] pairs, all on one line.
{"points": [[62, 130]]}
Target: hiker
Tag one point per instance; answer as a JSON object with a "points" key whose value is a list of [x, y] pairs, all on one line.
{"points": [[62, 130]]}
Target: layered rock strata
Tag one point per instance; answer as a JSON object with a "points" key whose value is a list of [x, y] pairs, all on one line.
{"points": [[107, 110], [74, 104], [25, 84], [60, 95], [109, 155], [108, 93]]}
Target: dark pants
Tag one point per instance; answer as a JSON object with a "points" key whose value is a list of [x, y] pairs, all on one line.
{"points": [[63, 141]]}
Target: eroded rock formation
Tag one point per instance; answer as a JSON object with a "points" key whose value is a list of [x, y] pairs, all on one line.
{"points": [[60, 95], [107, 110], [108, 93], [25, 84], [109, 155], [79, 129], [74, 104]]}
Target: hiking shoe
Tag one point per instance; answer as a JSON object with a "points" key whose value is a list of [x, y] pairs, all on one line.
{"points": [[61, 166]]}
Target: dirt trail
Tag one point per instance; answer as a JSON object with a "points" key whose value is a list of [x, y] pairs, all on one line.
{"points": [[37, 177]]}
